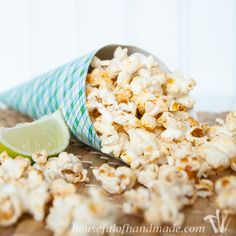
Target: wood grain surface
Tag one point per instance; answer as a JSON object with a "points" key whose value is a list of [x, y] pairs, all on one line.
{"points": [[91, 158]]}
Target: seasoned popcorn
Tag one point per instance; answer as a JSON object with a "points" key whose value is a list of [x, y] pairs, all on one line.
{"points": [[225, 188], [147, 174], [214, 157], [65, 166], [113, 180], [138, 83], [23, 188], [204, 188], [27, 194], [10, 205], [13, 169], [35, 188], [230, 123], [60, 187], [61, 213], [177, 85], [75, 210], [40, 159], [163, 202]]}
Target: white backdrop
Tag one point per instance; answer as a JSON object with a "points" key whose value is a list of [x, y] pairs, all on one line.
{"points": [[197, 37]]}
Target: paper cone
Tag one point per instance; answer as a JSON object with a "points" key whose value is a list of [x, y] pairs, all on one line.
{"points": [[63, 88]]}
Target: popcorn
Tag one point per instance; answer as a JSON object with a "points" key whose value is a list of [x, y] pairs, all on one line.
{"points": [[147, 174], [61, 213], [148, 122], [225, 183], [114, 180], [230, 123], [40, 159], [126, 96], [226, 144], [226, 192], [75, 210], [214, 157], [162, 203], [177, 85], [204, 188], [60, 187], [184, 155], [175, 129], [186, 101], [96, 210], [13, 169], [10, 205], [35, 188], [142, 146], [65, 166]]}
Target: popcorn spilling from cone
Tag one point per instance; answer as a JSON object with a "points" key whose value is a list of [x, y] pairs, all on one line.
{"points": [[143, 115]]}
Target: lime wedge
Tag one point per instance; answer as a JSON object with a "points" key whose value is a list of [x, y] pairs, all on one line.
{"points": [[49, 133]]}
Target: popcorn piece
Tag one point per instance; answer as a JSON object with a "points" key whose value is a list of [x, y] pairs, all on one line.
{"points": [[177, 85], [225, 183], [213, 156], [61, 213], [142, 146], [13, 169], [40, 159], [148, 122], [73, 210], [96, 62], [114, 180], [186, 101], [10, 205], [226, 192], [60, 187], [95, 211], [230, 123], [65, 166], [204, 188], [184, 155], [147, 174], [3, 156], [175, 129], [99, 78], [163, 202], [35, 188], [226, 144]]}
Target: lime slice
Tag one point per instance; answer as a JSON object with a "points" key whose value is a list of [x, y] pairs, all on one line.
{"points": [[49, 133]]}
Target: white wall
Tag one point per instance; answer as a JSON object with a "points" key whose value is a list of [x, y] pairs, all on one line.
{"points": [[197, 37]]}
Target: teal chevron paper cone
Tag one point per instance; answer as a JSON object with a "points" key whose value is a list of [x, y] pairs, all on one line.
{"points": [[62, 88]]}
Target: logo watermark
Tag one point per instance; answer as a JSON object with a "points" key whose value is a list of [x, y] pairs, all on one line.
{"points": [[219, 222], [133, 229]]}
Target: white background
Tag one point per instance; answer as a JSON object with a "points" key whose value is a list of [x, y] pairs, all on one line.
{"points": [[197, 37]]}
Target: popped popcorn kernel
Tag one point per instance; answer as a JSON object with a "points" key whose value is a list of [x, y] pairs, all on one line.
{"points": [[225, 188], [113, 180]]}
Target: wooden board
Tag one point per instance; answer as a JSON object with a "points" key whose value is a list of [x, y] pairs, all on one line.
{"points": [[91, 158]]}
